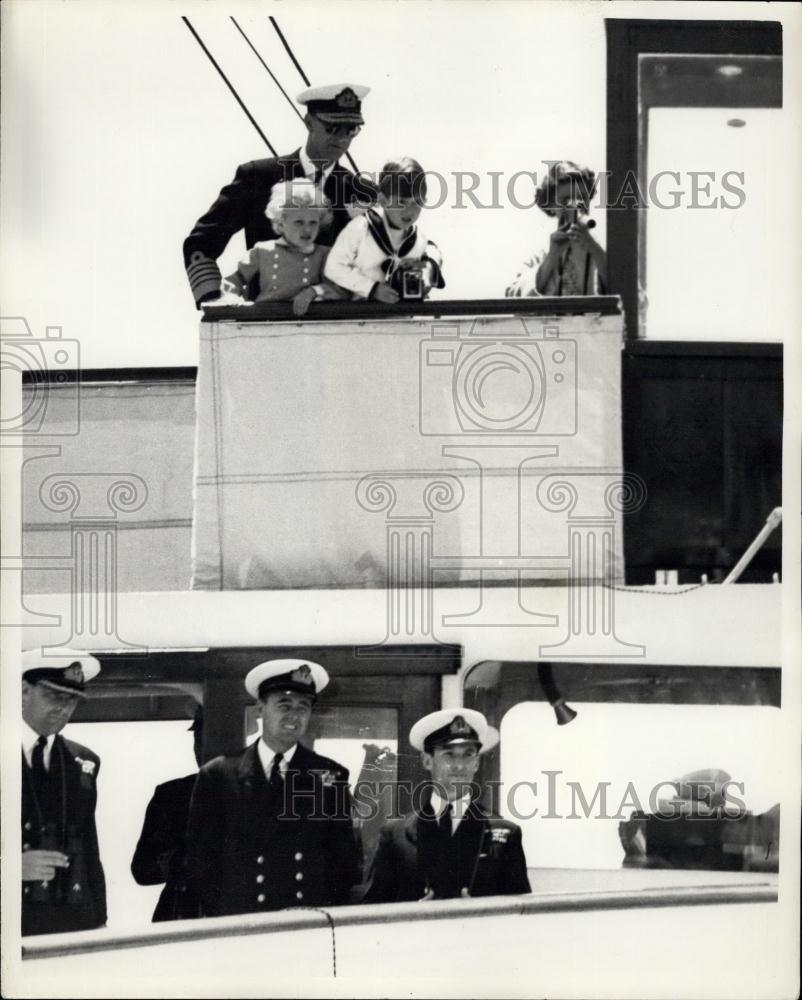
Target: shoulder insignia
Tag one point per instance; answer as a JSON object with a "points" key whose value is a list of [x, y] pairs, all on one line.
{"points": [[87, 766]]}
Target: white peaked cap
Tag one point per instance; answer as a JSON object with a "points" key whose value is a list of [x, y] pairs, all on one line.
{"points": [[451, 727], [303, 676]]}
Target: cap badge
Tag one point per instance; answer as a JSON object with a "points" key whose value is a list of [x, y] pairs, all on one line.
{"points": [[302, 675], [459, 727], [346, 99], [74, 673]]}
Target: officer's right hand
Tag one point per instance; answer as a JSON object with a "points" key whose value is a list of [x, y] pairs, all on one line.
{"points": [[40, 866]]}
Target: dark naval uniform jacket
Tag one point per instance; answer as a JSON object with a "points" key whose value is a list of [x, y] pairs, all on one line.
{"points": [[483, 856], [241, 205], [61, 817], [160, 854], [252, 849]]}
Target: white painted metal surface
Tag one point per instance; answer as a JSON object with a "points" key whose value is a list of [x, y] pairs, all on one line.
{"points": [[655, 927]]}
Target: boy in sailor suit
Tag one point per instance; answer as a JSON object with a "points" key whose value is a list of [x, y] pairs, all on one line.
{"points": [[372, 252]]}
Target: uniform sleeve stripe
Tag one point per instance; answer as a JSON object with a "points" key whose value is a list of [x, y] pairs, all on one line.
{"points": [[204, 277], [203, 269]]}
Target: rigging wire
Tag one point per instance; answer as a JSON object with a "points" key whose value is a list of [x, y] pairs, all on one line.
{"points": [[230, 86], [269, 70], [290, 53], [303, 75]]}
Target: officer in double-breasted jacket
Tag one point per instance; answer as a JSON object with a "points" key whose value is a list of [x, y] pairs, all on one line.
{"points": [[271, 827], [160, 855], [333, 118], [449, 847], [63, 887]]}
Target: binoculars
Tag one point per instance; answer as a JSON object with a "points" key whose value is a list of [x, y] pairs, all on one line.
{"points": [[67, 885]]}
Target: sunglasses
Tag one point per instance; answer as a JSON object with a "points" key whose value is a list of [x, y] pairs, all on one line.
{"points": [[349, 130]]}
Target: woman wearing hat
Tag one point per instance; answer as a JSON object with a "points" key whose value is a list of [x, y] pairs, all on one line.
{"points": [[449, 846], [574, 263]]}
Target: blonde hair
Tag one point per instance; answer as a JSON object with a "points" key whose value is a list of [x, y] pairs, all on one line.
{"points": [[300, 193]]}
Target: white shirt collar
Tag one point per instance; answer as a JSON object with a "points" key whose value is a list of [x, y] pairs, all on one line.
{"points": [[29, 738], [310, 169], [266, 756], [458, 807]]}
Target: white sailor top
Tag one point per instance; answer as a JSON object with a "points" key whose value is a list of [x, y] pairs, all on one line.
{"points": [[357, 262]]}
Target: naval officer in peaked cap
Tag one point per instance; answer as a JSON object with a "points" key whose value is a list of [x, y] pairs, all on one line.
{"points": [[449, 847], [270, 827], [63, 886], [333, 117]]}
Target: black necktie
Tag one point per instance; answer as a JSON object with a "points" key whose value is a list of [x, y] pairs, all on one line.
{"points": [[275, 781], [38, 772], [445, 820], [317, 180], [38, 758]]}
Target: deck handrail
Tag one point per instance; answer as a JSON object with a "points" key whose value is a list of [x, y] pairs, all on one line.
{"points": [[261, 312], [714, 893]]}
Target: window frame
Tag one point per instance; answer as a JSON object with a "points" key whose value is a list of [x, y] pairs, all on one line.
{"points": [[627, 40]]}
